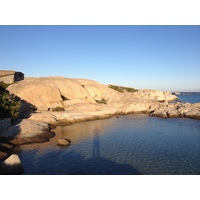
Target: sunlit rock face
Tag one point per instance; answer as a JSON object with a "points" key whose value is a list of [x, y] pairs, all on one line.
{"points": [[81, 99], [178, 110], [51, 92]]}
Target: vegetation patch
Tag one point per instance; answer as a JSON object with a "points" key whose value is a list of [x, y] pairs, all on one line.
{"points": [[9, 104], [103, 101], [58, 109], [122, 88]]}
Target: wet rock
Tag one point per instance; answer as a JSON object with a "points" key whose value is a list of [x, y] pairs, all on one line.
{"points": [[11, 166], [63, 142]]}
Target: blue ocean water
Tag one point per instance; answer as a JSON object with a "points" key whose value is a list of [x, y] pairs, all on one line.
{"points": [[131, 145], [190, 97]]}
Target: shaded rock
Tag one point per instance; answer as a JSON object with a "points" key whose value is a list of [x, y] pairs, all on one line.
{"points": [[28, 131], [7, 146], [172, 113], [44, 137], [3, 155], [63, 142], [158, 113], [11, 166]]}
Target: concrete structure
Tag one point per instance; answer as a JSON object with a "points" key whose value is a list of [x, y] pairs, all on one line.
{"points": [[9, 77], [5, 123]]}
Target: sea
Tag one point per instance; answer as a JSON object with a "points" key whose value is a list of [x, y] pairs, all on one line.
{"points": [[134, 144], [190, 97]]}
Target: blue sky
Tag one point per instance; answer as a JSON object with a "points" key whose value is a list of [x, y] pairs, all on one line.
{"points": [[143, 57]]}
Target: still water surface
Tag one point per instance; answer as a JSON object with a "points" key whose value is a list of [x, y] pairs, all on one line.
{"points": [[131, 144], [190, 97]]}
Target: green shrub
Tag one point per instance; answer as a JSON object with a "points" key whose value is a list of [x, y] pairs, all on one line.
{"points": [[103, 101], [122, 89], [9, 104], [117, 88]]}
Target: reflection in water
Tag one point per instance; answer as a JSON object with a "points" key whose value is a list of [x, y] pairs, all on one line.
{"points": [[96, 143]]}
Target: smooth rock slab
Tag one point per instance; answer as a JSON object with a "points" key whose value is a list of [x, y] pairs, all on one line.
{"points": [[11, 166], [63, 142]]}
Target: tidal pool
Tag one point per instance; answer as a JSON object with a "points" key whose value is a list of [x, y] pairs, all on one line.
{"points": [[130, 145]]}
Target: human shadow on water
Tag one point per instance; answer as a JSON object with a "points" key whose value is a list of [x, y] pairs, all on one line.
{"points": [[104, 166], [72, 163], [55, 160], [65, 161], [96, 143]]}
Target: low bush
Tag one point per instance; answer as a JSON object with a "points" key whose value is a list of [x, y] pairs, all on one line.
{"points": [[122, 89], [103, 101], [9, 104]]}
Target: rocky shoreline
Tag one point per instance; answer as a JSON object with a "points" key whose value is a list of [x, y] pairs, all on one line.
{"points": [[178, 110], [81, 100]]}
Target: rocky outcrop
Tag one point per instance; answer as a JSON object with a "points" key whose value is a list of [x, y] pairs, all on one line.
{"points": [[27, 131], [11, 166], [51, 92], [83, 100], [186, 110], [88, 100], [155, 95]]}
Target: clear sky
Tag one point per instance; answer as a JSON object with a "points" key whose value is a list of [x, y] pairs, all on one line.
{"points": [[143, 57]]}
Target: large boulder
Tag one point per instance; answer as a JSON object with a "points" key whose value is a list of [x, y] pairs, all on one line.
{"points": [[51, 92], [28, 131], [11, 166]]}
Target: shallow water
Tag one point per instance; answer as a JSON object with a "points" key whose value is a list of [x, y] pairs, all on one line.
{"points": [[131, 144]]}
